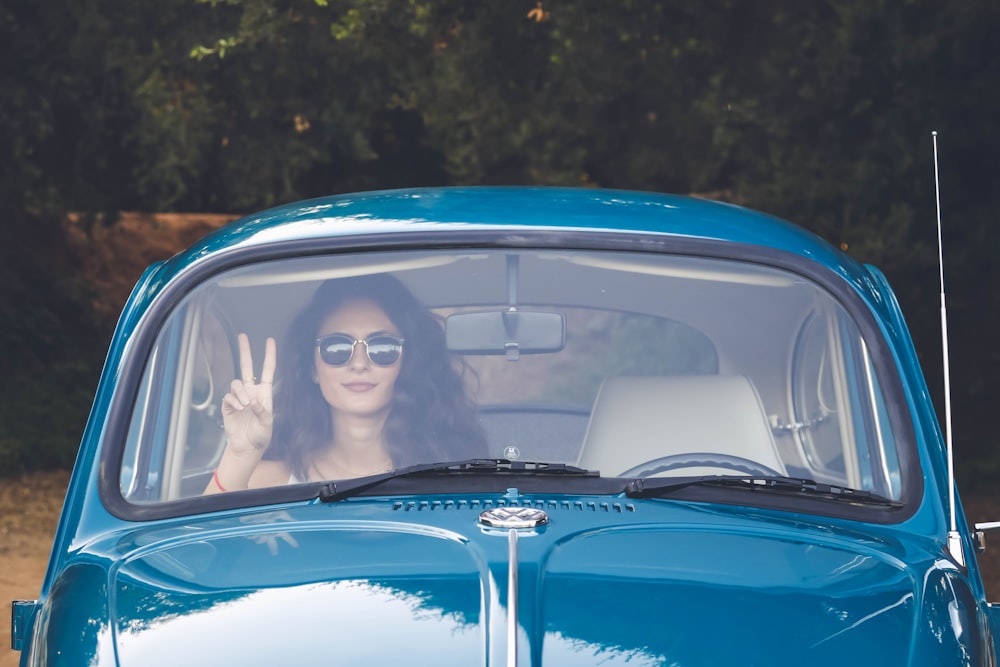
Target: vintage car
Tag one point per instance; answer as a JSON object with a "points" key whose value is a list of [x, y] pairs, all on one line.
{"points": [[694, 435]]}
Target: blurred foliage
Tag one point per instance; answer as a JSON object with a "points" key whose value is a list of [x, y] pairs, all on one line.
{"points": [[820, 112], [53, 344]]}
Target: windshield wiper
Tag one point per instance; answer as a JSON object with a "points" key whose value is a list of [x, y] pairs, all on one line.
{"points": [[331, 492], [657, 488]]}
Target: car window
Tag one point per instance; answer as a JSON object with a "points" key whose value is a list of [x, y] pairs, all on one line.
{"points": [[599, 344], [627, 363], [830, 360]]}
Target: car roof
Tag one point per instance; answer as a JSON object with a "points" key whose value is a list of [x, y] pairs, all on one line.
{"points": [[563, 215], [525, 208]]}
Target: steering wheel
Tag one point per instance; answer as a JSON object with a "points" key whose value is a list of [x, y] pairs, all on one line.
{"points": [[699, 459]]}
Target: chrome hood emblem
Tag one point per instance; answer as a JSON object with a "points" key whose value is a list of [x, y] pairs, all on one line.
{"points": [[513, 517]]}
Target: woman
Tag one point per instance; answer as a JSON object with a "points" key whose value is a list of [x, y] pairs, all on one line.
{"points": [[370, 387]]}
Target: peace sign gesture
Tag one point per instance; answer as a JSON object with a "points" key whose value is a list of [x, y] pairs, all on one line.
{"points": [[248, 408]]}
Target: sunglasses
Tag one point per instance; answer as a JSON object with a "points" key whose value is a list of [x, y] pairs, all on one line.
{"points": [[382, 349]]}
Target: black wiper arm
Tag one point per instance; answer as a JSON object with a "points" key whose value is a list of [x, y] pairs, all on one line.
{"points": [[335, 491], [647, 488]]}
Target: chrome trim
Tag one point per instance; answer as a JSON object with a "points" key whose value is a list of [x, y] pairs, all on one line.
{"points": [[512, 598], [513, 517]]}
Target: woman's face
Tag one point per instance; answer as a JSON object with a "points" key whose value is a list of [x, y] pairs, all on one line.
{"points": [[359, 387]]}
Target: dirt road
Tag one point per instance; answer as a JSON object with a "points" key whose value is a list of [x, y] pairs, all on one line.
{"points": [[29, 510]]}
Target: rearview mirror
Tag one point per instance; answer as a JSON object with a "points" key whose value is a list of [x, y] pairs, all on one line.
{"points": [[509, 332]]}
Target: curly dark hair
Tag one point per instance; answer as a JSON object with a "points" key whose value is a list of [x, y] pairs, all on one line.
{"points": [[431, 417]]}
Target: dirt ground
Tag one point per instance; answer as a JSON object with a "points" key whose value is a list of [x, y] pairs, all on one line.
{"points": [[113, 257], [29, 510]]}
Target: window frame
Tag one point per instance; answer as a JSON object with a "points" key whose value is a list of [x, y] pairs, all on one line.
{"points": [[145, 332]]}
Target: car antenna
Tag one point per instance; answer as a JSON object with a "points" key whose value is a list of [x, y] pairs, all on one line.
{"points": [[954, 538]]}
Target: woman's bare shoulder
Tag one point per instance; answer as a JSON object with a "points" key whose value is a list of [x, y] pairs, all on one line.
{"points": [[270, 473]]}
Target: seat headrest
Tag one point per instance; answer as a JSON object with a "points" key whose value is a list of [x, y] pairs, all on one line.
{"points": [[639, 419]]}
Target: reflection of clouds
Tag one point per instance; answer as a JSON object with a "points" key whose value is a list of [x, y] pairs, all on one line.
{"points": [[420, 604], [562, 650], [104, 653], [271, 538], [905, 601], [355, 621], [951, 613]]}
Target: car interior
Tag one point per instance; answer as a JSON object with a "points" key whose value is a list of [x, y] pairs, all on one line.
{"points": [[630, 363]]}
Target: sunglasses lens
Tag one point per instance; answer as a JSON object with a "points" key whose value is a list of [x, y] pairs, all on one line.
{"points": [[336, 350], [384, 350]]}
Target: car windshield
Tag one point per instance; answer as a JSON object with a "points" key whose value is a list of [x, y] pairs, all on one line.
{"points": [[635, 365]]}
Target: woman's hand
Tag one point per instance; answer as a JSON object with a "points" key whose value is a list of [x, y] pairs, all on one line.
{"points": [[248, 408]]}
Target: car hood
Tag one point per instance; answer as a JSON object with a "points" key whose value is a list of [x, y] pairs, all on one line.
{"points": [[594, 586]]}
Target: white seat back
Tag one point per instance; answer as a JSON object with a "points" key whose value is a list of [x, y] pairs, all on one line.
{"points": [[640, 419]]}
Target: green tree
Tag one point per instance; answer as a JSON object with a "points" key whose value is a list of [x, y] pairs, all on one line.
{"points": [[820, 112]]}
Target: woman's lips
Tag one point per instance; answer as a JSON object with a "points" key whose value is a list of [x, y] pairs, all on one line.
{"points": [[359, 386]]}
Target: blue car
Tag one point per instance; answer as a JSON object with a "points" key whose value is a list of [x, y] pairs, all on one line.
{"points": [[511, 426]]}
